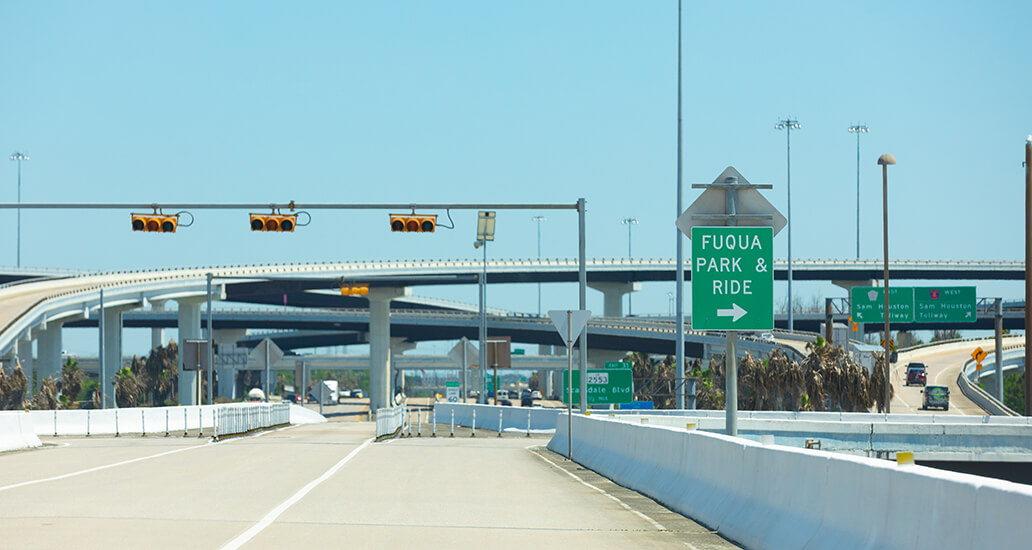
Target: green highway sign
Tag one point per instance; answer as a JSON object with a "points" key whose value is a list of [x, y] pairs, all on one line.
{"points": [[604, 386], [732, 278], [945, 304], [867, 304]]}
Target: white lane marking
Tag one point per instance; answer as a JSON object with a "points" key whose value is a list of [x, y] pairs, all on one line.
{"points": [[277, 511], [99, 468], [654, 523]]}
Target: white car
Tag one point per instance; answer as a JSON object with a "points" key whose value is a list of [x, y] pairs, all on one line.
{"points": [[767, 336], [535, 394]]}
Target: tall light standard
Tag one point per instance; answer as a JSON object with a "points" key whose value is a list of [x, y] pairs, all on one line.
{"points": [[885, 160], [858, 129], [788, 125], [629, 222], [16, 156], [539, 219], [679, 271], [670, 303], [485, 232]]}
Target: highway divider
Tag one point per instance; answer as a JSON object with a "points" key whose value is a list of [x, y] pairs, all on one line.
{"points": [[390, 422], [770, 496], [515, 419], [16, 431]]}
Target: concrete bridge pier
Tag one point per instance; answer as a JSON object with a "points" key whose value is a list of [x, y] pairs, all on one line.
{"points": [[613, 294], [225, 340], [380, 344], [24, 354], [398, 347], [189, 329], [48, 351], [112, 319], [157, 333]]}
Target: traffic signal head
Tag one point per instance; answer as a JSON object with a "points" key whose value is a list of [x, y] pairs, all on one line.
{"points": [[356, 289], [155, 223], [273, 222], [413, 223]]}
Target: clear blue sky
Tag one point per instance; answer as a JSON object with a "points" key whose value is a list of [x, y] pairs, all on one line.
{"points": [[533, 101]]}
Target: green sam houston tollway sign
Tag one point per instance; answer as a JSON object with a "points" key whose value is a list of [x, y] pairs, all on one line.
{"points": [[604, 386], [944, 304], [732, 278]]}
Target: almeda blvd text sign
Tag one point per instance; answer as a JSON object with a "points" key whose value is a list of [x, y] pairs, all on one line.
{"points": [[732, 278]]}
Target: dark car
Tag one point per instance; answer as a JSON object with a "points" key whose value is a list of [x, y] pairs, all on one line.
{"points": [[937, 397], [292, 397], [917, 373], [526, 400]]}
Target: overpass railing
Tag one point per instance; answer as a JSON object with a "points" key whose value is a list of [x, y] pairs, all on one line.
{"points": [[390, 422]]}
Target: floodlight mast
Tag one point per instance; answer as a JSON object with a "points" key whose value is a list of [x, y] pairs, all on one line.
{"points": [[788, 125]]}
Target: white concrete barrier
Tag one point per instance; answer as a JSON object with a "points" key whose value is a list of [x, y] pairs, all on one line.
{"points": [[770, 496], [513, 418], [16, 431]]}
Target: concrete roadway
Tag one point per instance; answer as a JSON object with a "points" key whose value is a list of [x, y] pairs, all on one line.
{"points": [[322, 486], [943, 369]]}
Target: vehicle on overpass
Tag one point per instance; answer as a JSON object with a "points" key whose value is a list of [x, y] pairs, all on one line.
{"points": [[936, 397], [917, 373]]}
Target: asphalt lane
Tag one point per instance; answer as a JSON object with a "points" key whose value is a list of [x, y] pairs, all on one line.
{"points": [[322, 485], [943, 370]]}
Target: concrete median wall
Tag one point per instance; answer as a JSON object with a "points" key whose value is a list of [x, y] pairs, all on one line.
{"points": [[16, 431], [513, 418], [770, 496]]}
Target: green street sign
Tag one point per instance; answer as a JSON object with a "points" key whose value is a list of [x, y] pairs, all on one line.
{"points": [[518, 351], [922, 304], [732, 278], [618, 364], [867, 304], [944, 304], [604, 386]]}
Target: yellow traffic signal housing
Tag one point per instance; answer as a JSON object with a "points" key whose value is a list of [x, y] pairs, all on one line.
{"points": [[354, 290], [413, 223], [273, 222], [155, 223]]}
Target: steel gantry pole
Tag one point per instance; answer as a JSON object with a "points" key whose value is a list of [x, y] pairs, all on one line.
{"points": [[211, 346], [100, 354], [679, 373], [788, 125], [19, 157], [857, 129], [1028, 275], [582, 283]]}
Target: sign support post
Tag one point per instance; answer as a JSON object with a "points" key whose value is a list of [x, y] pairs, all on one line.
{"points": [[571, 325], [732, 266]]}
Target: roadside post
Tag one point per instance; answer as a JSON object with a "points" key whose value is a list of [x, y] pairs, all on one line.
{"points": [[732, 228], [570, 324]]}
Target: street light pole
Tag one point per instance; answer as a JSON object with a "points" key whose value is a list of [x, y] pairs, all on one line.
{"points": [[539, 219], [858, 129], [679, 291], [788, 125], [485, 232], [885, 160], [16, 156], [629, 222]]}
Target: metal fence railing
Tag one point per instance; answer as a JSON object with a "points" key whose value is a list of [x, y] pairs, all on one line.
{"points": [[390, 422], [235, 420]]}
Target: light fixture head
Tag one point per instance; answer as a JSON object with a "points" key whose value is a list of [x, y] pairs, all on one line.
{"points": [[886, 159]]}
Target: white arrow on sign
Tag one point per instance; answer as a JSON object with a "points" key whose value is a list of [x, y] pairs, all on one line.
{"points": [[735, 312], [569, 323]]}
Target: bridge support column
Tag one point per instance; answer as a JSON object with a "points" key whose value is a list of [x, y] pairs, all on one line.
{"points": [[112, 319], [24, 351], [157, 338], [226, 340], [48, 352], [380, 344], [613, 294], [189, 329], [597, 358], [398, 347]]}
